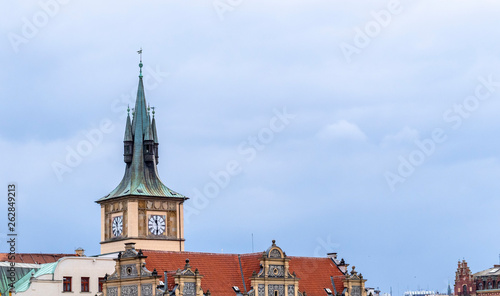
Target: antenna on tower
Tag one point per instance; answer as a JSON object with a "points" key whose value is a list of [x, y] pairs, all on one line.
{"points": [[252, 242]]}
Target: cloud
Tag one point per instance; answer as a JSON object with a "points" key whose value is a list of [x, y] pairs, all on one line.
{"points": [[404, 136], [341, 130]]}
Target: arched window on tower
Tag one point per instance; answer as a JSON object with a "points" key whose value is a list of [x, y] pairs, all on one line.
{"points": [[480, 286], [464, 290]]}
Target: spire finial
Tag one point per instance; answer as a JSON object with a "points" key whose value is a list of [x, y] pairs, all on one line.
{"points": [[153, 111], [140, 63], [128, 109]]}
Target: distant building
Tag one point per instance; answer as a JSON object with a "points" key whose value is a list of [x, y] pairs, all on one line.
{"points": [[12, 270], [74, 275], [372, 292], [483, 283], [421, 293]]}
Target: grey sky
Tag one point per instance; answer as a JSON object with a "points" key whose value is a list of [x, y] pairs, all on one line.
{"points": [[218, 72]]}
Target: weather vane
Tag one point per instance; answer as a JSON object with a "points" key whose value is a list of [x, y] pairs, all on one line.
{"points": [[140, 53], [140, 63]]}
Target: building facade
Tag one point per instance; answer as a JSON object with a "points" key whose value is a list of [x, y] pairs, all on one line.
{"points": [[68, 275], [270, 273], [483, 283]]}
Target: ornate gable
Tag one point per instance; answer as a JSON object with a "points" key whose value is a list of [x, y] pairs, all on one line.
{"points": [[274, 277], [188, 282], [354, 284], [131, 275]]}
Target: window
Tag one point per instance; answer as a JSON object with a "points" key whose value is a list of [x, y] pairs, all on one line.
{"points": [[275, 292], [67, 284], [101, 281], [85, 284]]}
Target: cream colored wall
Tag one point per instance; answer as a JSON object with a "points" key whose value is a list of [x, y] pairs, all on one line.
{"points": [[103, 224], [76, 268], [143, 244], [133, 218], [131, 230]]}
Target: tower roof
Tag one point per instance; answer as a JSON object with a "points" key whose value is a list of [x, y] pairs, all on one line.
{"points": [[141, 177]]}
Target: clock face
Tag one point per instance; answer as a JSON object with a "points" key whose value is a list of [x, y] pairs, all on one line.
{"points": [[156, 224], [117, 226]]}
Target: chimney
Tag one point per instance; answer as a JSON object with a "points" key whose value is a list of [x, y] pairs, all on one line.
{"points": [[129, 246], [331, 255], [80, 252]]}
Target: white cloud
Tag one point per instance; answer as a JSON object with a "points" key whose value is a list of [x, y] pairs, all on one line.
{"points": [[341, 130], [405, 136]]}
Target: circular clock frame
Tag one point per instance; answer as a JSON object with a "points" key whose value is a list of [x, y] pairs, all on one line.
{"points": [[117, 226], [157, 224]]}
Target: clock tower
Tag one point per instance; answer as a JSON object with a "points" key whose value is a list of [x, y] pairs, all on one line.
{"points": [[141, 209]]}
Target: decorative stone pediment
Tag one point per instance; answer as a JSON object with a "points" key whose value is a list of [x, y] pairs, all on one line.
{"points": [[130, 275], [274, 252], [354, 283], [274, 277], [188, 282]]}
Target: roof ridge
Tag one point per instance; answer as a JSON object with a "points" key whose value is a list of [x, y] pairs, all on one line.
{"points": [[189, 252], [305, 257]]}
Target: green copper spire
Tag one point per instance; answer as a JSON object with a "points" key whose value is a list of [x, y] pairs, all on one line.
{"points": [[128, 129], [153, 127], [141, 155]]}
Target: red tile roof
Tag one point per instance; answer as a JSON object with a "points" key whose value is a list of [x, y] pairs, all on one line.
{"points": [[33, 258], [222, 271], [314, 274]]}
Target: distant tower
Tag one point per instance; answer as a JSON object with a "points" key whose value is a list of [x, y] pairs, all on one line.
{"points": [[141, 209], [464, 281]]}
